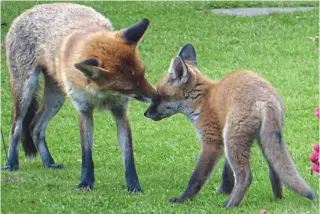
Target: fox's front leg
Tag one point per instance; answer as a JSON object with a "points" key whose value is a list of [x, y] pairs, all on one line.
{"points": [[125, 140], [86, 131], [210, 153]]}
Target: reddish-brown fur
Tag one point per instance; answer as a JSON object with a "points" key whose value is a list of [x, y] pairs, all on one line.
{"points": [[83, 58]]}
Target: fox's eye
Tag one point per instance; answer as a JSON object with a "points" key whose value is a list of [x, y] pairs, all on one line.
{"points": [[156, 98]]}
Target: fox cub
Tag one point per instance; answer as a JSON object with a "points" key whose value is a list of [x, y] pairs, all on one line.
{"points": [[80, 57], [228, 114]]}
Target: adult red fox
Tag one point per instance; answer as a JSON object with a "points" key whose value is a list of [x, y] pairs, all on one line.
{"points": [[228, 114], [82, 57]]}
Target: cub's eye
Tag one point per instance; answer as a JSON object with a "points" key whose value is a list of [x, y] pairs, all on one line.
{"points": [[156, 98]]}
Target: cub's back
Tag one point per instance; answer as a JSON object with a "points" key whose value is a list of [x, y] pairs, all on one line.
{"points": [[242, 90]]}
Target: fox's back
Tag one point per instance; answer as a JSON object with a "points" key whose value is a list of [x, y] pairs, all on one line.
{"points": [[49, 23], [43, 28]]}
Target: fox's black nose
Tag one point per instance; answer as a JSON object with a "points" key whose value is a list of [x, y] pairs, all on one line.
{"points": [[142, 98], [156, 98]]}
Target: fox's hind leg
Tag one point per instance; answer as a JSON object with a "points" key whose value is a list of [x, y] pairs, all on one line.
{"points": [[125, 140], [23, 89], [238, 140], [227, 179], [52, 101]]}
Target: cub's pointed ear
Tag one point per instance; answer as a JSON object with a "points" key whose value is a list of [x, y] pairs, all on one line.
{"points": [[188, 53], [135, 32], [89, 68], [178, 70]]}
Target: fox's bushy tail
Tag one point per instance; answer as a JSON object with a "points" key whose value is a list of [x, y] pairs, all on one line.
{"points": [[276, 152], [26, 136]]}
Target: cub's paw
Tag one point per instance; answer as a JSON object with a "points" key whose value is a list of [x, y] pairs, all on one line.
{"points": [[56, 166], [177, 200], [231, 203], [225, 190]]}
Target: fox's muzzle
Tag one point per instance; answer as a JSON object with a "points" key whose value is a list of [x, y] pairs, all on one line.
{"points": [[145, 92]]}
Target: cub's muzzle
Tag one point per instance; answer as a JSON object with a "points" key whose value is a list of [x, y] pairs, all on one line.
{"points": [[153, 113]]}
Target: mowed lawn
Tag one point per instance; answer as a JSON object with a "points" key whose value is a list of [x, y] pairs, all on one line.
{"points": [[277, 46]]}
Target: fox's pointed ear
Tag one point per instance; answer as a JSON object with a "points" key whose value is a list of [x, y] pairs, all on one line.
{"points": [[178, 70], [89, 68], [135, 32], [188, 53]]}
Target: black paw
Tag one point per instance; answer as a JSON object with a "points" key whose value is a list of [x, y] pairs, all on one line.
{"points": [[225, 190], [10, 168], [227, 206], [84, 186], [134, 186], [230, 204], [134, 189], [132, 181], [177, 200], [55, 166]]}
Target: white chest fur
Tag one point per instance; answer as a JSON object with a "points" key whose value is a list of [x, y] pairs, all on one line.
{"points": [[88, 97]]}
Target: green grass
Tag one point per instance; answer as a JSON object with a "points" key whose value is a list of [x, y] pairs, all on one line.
{"points": [[166, 152]]}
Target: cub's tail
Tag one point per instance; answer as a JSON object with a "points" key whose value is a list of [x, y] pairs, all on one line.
{"points": [[275, 151]]}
